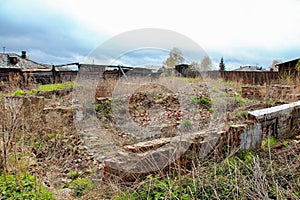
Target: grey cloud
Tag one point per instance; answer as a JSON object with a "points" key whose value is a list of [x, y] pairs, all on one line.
{"points": [[51, 34]]}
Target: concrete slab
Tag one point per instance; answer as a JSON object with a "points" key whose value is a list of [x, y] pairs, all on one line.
{"points": [[274, 111]]}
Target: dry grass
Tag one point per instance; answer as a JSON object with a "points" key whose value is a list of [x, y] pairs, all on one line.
{"points": [[268, 174]]}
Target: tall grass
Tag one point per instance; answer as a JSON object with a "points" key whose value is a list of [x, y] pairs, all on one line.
{"points": [[265, 174]]}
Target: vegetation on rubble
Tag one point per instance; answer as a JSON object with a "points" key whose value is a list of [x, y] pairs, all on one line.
{"points": [[43, 88], [270, 142], [203, 102], [246, 175], [186, 124], [81, 186], [22, 186], [57, 86], [19, 93], [239, 99], [271, 173]]}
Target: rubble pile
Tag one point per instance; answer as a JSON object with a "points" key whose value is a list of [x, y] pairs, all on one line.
{"points": [[164, 107], [157, 108]]}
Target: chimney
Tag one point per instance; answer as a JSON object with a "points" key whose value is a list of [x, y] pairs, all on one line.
{"points": [[24, 54]]}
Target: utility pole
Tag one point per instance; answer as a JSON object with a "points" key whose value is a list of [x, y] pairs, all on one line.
{"points": [[3, 49]]}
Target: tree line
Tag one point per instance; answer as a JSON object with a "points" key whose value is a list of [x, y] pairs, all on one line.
{"points": [[176, 58]]}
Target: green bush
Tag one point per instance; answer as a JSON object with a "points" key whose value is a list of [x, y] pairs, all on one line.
{"points": [[23, 187]]}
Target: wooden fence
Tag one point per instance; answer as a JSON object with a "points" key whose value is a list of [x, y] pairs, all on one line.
{"points": [[46, 77]]}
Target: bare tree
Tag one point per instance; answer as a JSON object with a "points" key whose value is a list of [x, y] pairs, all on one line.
{"points": [[195, 65], [175, 58], [206, 64]]}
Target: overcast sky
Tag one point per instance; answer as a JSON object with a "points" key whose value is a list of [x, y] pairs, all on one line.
{"points": [[243, 32]]}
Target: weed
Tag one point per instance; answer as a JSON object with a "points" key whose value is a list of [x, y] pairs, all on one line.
{"points": [[205, 102], [186, 124], [81, 186], [159, 95], [32, 92], [193, 99], [202, 101], [51, 87], [241, 114], [270, 142], [215, 90], [270, 102], [54, 136], [73, 175], [89, 171], [239, 99], [19, 93], [43, 88], [97, 108], [23, 187]]}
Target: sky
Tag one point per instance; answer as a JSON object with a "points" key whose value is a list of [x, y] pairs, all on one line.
{"points": [[249, 32]]}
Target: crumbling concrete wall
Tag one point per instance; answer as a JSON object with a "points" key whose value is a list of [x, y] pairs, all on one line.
{"points": [[31, 112], [24, 108], [279, 121]]}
